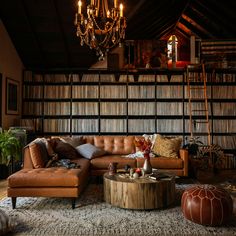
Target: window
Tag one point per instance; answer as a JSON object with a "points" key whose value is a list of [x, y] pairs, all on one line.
{"points": [[172, 48]]}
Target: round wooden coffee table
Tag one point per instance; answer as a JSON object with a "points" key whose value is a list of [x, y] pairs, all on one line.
{"points": [[141, 193]]}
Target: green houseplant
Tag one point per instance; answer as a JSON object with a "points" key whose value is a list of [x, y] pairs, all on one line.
{"points": [[193, 146], [10, 149], [207, 157]]}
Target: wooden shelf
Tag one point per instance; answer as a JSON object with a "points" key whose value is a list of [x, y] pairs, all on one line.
{"points": [[125, 106]]}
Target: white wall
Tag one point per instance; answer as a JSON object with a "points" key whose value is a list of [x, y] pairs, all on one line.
{"points": [[12, 67]]}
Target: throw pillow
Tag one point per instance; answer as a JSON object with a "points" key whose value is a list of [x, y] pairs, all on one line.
{"points": [[48, 146], [5, 223], [74, 141], [167, 147], [90, 151], [42, 143], [39, 156], [66, 151]]}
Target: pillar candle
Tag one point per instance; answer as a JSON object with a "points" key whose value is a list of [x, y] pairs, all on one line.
{"points": [[79, 6], [121, 10]]}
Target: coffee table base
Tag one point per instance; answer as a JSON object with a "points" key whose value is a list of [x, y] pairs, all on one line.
{"points": [[140, 194]]}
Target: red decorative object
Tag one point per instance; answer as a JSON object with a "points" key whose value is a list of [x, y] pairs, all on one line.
{"points": [[207, 205], [144, 145]]}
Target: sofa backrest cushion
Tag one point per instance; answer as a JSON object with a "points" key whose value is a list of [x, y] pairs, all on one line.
{"points": [[90, 151], [119, 145], [166, 146], [38, 154], [66, 151], [74, 141]]}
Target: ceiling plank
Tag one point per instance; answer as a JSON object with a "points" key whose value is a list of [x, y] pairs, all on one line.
{"points": [[41, 53], [68, 60]]}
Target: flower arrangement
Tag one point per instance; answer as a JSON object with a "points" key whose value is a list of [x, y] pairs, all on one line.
{"points": [[144, 145]]}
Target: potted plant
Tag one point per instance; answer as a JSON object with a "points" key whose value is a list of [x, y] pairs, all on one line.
{"points": [[10, 149], [204, 157], [193, 146], [212, 154]]}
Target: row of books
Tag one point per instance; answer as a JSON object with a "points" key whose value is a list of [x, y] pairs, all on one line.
{"points": [[228, 161]]}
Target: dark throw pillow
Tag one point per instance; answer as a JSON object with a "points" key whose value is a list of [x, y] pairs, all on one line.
{"points": [[66, 151]]}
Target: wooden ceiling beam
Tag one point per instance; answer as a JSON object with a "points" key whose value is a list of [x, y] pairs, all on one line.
{"points": [[193, 29], [211, 17], [63, 36], [27, 16], [196, 25]]}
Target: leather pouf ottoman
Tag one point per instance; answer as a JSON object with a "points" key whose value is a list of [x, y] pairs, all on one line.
{"points": [[207, 205]]}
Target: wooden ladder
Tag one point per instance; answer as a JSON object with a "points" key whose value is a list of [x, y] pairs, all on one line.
{"points": [[197, 93]]}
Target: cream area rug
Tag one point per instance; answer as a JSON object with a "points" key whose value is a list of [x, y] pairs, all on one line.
{"points": [[92, 216]]}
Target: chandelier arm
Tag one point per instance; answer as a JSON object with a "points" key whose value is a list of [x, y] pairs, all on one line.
{"points": [[80, 31]]}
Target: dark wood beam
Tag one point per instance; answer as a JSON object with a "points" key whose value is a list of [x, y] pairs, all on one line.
{"points": [[27, 16], [63, 36]]}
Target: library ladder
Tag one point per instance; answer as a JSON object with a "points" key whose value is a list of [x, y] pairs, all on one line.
{"points": [[197, 100]]}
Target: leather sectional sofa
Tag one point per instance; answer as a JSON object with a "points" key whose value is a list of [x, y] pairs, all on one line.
{"points": [[63, 182]]}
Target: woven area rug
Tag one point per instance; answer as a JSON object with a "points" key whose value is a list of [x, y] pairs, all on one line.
{"points": [[92, 216]]}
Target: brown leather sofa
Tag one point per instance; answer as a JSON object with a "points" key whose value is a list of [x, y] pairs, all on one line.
{"points": [[62, 182]]}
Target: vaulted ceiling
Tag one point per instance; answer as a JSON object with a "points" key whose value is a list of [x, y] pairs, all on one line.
{"points": [[43, 31]]}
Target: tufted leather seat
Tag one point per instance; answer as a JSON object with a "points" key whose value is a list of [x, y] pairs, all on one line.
{"points": [[49, 182], [207, 205]]}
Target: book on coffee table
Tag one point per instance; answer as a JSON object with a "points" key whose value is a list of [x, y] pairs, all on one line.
{"points": [[158, 175]]}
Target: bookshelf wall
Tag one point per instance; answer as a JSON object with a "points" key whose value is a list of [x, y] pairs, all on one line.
{"points": [[124, 102]]}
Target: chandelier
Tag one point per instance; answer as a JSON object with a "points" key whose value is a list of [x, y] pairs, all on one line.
{"points": [[102, 28]]}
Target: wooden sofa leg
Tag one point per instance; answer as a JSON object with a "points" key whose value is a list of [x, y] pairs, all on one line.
{"points": [[13, 201], [73, 202]]}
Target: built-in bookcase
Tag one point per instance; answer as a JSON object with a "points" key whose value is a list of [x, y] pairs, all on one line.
{"points": [[124, 102]]}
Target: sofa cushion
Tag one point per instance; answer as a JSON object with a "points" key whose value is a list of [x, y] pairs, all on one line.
{"points": [[89, 151], [47, 145], [163, 163], [38, 154], [167, 147], [74, 141], [66, 151], [118, 145], [103, 162]]}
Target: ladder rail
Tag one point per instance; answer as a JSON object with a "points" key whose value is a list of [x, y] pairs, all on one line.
{"points": [[192, 123]]}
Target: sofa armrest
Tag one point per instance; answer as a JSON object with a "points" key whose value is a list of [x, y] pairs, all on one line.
{"points": [[27, 162], [184, 156]]}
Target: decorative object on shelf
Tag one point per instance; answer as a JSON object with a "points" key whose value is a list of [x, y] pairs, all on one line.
{"points": [[103, 28], [112, 168], [145, 146]]}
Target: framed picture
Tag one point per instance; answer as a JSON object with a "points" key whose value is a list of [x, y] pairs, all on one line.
{"points": [[1, 101], [12, 93]]}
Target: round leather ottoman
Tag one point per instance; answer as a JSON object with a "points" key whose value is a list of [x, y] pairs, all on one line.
{"points": [[207, 205]]}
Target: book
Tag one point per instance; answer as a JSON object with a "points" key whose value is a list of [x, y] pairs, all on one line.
{"points": [[159, 175]]}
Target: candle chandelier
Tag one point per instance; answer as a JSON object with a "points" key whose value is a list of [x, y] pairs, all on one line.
{"points": [[102, 28]]}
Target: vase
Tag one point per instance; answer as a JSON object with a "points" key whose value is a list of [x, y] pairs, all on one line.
{"points": [[147, 167], [112, 168]]}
